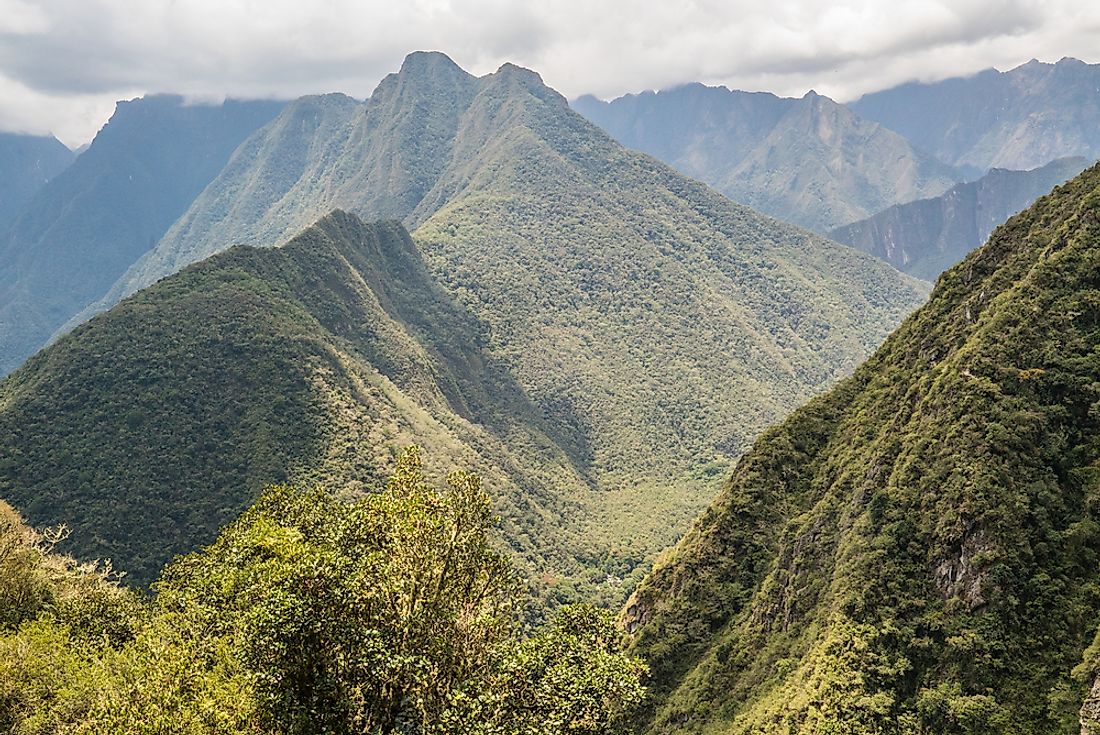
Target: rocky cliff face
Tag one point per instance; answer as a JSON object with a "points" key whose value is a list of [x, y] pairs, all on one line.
{"points": [[1090, 710], [1018, 119]]}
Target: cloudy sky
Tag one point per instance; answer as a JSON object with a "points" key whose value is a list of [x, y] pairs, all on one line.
{"points": [[63, 63]]}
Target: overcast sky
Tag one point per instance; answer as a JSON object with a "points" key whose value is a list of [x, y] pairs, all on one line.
{"points": [[63, 63]]}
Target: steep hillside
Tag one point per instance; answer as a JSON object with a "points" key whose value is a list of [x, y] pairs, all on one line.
{"points": [[654, 322], [917, 550], [155, 424], [927, 236], [83, 229], [1019, 119], [808, 161], [27, 162]]}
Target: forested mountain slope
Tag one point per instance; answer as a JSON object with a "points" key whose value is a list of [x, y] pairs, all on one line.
{"points": [[927, 236], [809, 161], [918, 549], [655, 323], [84, 228]]}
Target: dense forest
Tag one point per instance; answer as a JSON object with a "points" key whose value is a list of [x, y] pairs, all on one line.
{"points": [[917, 550]]}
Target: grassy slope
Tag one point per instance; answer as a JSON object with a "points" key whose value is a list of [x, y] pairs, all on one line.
{"points": [[918, 547]]}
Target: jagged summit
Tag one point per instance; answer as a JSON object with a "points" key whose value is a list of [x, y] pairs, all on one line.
{"points": [[522, 72], [431, 68], [418, 62]]}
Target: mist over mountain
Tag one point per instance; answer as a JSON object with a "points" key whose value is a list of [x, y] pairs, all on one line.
{"points": [[925, 237], [916, 550], [27, 162], [809, 161], [81, 230], [1018, 119]]}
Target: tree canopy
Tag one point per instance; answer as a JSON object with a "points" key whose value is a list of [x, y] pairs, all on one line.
{"points": [[394, 612]]}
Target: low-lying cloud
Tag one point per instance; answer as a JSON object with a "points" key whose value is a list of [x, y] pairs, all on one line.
{"points": [[63, 63]]}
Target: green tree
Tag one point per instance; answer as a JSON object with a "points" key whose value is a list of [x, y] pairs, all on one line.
{"points": [[394, 612]]}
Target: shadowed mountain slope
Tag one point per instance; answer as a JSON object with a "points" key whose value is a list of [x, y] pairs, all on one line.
{"points": [[155, 424], [27, 162]]}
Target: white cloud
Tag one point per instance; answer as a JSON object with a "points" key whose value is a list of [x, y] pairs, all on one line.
{"points": [[63, 61]]}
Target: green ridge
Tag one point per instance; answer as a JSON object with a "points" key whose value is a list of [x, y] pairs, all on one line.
{"points": [[917, 550], [649, 327], [152, 426]]}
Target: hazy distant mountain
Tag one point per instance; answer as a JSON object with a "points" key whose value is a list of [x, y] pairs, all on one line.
{"points": [[916, 550], [82, 230], [1019, 119], [809, 161], [928, 236], [653, 323], [27, 162]]}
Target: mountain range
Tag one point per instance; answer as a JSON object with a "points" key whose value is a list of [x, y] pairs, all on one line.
{"points": [[928, 236], [81, 230], [916, 550], [1018, 119], [810, 161], [260, 294], [650, 326]]}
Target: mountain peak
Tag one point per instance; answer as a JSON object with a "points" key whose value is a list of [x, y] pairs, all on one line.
{"points": [[428, 71], [508, 70], [510, 78], [1033, 65], [428, 61]]}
